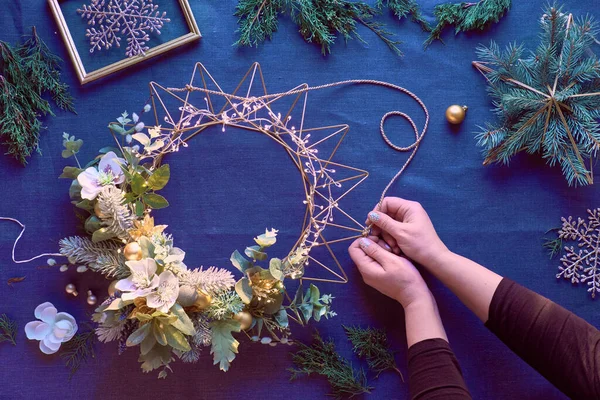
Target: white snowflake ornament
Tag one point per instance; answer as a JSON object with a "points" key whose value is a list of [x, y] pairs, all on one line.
{"points": [[581, 263], [114, 18]]}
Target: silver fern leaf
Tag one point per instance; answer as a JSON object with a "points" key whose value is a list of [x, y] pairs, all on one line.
{"points": [[115, 215]]}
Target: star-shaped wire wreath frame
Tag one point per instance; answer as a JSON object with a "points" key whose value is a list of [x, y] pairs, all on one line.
{"points": [[255, 113]]}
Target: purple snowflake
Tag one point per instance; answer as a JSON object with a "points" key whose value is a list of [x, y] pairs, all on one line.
{"points": [[115, 18]]}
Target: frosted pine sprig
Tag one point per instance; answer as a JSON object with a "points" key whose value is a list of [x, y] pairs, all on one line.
{"points": [[212, 280], [117, 217], [102, 256]]}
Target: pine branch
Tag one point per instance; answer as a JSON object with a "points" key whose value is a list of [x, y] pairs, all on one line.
{"points": [[372, 345], [321, 358], [404, 8], [467, 16], [78, 350], [555, 245], [115, 215], [8, 330], [102, 257]]}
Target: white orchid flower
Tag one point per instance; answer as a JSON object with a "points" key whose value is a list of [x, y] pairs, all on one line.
{"points": [[165, 295], [142, 280], [54, 328], [108, 173]]}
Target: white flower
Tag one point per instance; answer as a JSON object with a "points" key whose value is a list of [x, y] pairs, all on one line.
{"points": [[53, 329], [141, 281], [108, 173], [166, 293]]}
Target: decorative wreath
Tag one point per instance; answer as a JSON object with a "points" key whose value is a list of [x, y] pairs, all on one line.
{"points": [[155, 301]]}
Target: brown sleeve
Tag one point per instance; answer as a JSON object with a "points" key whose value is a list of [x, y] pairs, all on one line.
{"points": [[434, 373], [562, 347]]}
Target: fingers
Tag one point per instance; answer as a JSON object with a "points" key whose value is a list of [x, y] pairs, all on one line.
{"points": [[382, 242], [385, 223], [392, 244], [399, 208], [377, 253], [367, 266]]}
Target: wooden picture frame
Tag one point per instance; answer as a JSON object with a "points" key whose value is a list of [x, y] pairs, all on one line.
{"points": [[86, 77]]}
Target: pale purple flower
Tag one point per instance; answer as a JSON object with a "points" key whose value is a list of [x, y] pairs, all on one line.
{"points": [[108, 173], [141, 282], [54, 328], [165, 295]]}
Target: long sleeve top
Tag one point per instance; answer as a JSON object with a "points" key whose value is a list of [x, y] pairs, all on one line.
{"points": [[562, 347]]}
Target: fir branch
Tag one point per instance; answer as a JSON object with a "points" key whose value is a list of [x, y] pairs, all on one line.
{"points": [[224, 305], [404, 8], [43, 68], [116, 216], [467, 16], [102, 257], [8, 330], [321, 358], [372, 344], [79, 350], [212, 280], [555, 245]]}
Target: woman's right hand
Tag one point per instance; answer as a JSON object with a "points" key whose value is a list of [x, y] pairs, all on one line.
{"points": [[405, 226]]}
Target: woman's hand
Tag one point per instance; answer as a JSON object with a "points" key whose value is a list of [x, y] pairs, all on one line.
{"points": [[391, 274], [405, 226]]}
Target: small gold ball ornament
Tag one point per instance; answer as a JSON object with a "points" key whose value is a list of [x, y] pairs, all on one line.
{"points": [[71, 289], [91, 299], [132, 251], [203, 301], [112, 288], [244, 318], [99, 212], [455, 114]]}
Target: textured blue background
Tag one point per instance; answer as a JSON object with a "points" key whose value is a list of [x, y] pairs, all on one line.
{"points": [[228, 187]]}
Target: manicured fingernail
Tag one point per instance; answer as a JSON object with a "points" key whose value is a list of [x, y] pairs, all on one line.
{"points": [[373, 216], [387, 246], [364, 243]]}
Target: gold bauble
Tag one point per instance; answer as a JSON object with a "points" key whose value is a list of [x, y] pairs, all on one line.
{"points": [[99, 212], [203, 301], [132, 251], [455, 114], [244, 318], [111, 288]]}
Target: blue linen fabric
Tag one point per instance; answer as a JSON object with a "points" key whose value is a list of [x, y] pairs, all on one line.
{"points": [[228, 187]]}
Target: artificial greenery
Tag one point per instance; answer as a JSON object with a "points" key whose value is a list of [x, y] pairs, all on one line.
{"points": [[467, 16], [553, 245], [548, 101], [320, 21], [372, 345], [78, 350], [321, 358], [27, 72], [8, 330]]}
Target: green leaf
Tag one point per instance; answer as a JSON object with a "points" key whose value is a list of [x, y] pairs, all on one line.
{"points": [[116, 128], [275, 269], [147, 247], [75, 191], [138, 336], [74, 146], [66, 153], [85, 204], [281, 317], [239, 261], [254, 253], [155, 201], [138, 184], [176, 340], [159, 333], [70, 172], [267, 239], [92, 224], [244, 290], [183, 323], [139, 208], [148, 343], [273, 306], [107, 149], [160, 177], [307, 310], [101, 235], [224, 346]]}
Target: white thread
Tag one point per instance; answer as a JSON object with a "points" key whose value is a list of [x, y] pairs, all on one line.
{"points": [[17, 240]]}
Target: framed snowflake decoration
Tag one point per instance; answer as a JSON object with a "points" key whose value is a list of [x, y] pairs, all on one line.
{"points": [[106, 36]]}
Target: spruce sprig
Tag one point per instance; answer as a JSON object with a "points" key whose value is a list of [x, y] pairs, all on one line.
{"points": [[321, 358], [78, 350], [26, 73], [372, 344], [467, 16], [8, 330], [319, 21], [403, 9]]}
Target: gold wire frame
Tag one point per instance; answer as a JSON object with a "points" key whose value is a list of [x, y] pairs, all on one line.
{"points": [[86, 77], [320, 201]]}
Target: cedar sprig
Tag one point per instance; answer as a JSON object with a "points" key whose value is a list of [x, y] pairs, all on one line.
{"points": [[403, 9], [79, 350], [372, 345], [467, 16], [8, 330], [321, 358]]}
